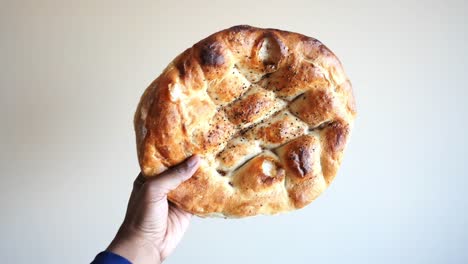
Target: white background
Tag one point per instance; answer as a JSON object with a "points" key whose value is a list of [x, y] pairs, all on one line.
{"points": [[72, 72]]}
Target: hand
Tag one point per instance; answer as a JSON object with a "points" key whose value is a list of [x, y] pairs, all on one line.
{"points": [[152, 227]]}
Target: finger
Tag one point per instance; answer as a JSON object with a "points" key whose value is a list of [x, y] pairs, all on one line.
{"points": [[180, 213], [139, 181], [137, 185], [177, 224], [173, 177]]}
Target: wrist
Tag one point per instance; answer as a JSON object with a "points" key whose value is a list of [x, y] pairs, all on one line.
{"points": [[134, 247]]}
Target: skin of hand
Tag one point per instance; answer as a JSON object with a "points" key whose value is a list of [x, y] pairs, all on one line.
{"points": [[153, 227]]}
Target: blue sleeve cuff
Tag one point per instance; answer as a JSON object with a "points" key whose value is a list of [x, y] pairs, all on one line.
{"points": [[107, 257]]}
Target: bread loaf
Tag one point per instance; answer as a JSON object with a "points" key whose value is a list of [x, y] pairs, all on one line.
{"points": [[269, 111]]}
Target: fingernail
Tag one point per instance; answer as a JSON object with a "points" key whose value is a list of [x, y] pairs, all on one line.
{"points": [[192, 161]]}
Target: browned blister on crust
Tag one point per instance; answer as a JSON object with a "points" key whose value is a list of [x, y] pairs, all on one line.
{"points": [[269, 111]]}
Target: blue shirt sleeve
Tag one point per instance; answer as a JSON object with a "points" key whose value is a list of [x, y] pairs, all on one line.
{"points": [[107, 257]]}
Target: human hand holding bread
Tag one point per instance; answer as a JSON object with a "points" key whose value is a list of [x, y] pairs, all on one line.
{"points": [[153, 227]]}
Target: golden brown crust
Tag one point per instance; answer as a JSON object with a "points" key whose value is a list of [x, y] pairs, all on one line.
{"points": [[269, 111]]}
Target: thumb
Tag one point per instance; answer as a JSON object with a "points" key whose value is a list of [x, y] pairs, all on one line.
{"points": [[167, 181]]}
